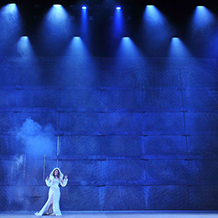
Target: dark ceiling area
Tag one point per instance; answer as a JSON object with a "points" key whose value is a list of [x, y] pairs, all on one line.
{"points": [[181, 4]]}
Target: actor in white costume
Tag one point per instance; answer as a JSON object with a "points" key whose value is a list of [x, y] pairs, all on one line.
{"points": [[56, 178]]}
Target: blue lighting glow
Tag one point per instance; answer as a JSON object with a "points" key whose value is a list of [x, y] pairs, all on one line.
{"points": [[9, 8], [77, 38], [202, 17], [24, 38], [178, 49], [10, 23], [118, 23], [24, 46], [56, 12], [57, 19], [55, 28], [127, 48], [155, 26], [76, 48], [57, 5], [84, 22], [84, 69], [118, 7], [153, 14]]}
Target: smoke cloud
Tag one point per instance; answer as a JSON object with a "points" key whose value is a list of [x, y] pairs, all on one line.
{"points": [[38, 140]]}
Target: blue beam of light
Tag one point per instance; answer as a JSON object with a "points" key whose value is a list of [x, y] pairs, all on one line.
{"points": [[77, 48], [57, 22], [118, 23], [56, 29], [24, 47], [152, 14], [80, 69], [202, 27], [155, 26], [202, 17], [10, 8], [9, 13], [201, 32], [10, 21], [127, 48], [84, 22], [178, 49], [57, 14]]}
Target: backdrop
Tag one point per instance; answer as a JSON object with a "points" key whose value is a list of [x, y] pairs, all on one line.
{"points": [[131, 133]]}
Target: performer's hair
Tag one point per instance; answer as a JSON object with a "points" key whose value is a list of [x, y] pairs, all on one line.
{"points": [[58, 173]]}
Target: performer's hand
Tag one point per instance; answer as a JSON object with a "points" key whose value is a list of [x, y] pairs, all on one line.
{"points": [[47, 178], [65, 177]]}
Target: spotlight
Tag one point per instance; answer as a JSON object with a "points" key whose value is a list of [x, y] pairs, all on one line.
{"points": [[57, 6], [150, 6], [11, 8], [118, 7], [84, 7], [24, 38]]}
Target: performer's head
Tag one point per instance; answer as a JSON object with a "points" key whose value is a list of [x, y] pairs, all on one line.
{"points": [[56, 173]]}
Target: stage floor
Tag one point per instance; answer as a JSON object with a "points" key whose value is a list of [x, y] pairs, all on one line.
{"points": [[120, 214]]}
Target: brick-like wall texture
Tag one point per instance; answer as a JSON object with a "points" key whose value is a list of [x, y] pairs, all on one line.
{"points": [[131, 133]]}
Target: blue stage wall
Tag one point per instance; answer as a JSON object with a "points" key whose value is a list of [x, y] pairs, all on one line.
{"points": [[131, 133]]}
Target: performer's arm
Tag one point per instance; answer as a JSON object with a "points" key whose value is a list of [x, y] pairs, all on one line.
{"points": [[64, 181], [48, 182]]}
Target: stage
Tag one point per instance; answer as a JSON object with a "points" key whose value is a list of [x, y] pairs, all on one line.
{"points": [[121, 214], [122, 97]]}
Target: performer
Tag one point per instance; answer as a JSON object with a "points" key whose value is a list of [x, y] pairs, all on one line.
{"points": [[56, 178]]}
